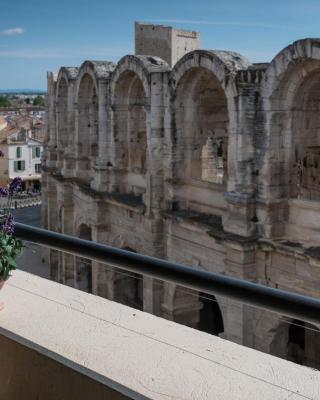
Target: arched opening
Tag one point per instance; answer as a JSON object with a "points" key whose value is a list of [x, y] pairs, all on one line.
{"points": [[201, 118], [197, 310], [84, 265], [296, 342], [299, 342], [294, 123], [130, 127], [303, 346], [128, 287], [290, 172], [62, 114], [87, 118], [305, 157], [210, 315]]}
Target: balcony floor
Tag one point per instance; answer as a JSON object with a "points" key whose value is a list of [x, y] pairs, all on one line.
{"points": [[133, 353]]}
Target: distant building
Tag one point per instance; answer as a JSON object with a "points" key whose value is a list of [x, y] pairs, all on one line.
{"points": [[22, 157], [3, 123]]}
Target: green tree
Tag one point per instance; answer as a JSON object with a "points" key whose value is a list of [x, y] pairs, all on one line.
{"points": [[4, 101], [38, 101]]}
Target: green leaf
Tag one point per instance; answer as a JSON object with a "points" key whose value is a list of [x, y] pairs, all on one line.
{"points": [[11, 261]]}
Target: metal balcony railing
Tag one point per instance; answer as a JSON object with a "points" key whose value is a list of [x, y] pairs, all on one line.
{"points": [[285, 303]]}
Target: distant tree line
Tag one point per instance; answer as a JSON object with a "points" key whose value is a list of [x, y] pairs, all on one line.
{"points": [[39, 101], [13, 101], [4, 101]]}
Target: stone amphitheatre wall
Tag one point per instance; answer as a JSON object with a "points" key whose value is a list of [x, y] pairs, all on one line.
{"points": [[213, 162]]}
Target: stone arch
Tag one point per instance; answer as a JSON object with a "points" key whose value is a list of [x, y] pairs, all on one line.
{"points": [[130, 89], [130, 122], [286, 61], [124, 286], [194, 309], [84, 265], [202, 120], [223, 65], [130, 101], [87, 107], [288, 165], [142, 66], [65, 125], [290, 93], [297, 341], [203, 98]]}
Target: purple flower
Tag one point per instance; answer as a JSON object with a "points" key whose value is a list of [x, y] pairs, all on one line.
{"points": [[7, 226], [1, 153], [4, 192], [15, 185]]}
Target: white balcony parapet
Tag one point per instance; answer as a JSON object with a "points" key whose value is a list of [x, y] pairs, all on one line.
{"points": [[138, 355]]}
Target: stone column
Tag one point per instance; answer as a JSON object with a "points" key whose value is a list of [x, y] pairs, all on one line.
{"points": [[102, 274], [245, 126], [272, 166], [118, 146], [69, 164], [154, 197], [44, 200], [55, 274], [239, 263], [100, 178], [82, 170], [69, 266], [51, 149], [52, 207]]}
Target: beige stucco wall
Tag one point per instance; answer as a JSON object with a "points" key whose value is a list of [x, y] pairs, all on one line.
{"points": [[27, 374]]}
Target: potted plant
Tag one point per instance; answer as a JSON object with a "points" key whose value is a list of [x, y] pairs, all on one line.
{"points": [[10, 246]]}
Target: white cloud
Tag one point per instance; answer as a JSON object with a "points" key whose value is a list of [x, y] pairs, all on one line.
{"points": [[12, 32]]}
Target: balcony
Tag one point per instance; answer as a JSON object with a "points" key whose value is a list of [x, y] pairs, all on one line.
{"points": [[60, 343]]}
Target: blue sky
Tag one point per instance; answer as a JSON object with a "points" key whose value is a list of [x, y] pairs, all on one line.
{"points": [[37, 36]]}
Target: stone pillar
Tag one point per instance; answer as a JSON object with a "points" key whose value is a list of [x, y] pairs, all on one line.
{"points": [[82, 170], [51, 149], [272, 167], [55, 273], [67, 228], [51, 224], [102, 274], [239, 263], [69, 163], [118, 147], [245, 128], [52, 203], [100, 177], [44, 200], [154, 197]]}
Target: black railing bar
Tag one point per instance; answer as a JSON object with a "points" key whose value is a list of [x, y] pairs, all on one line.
{"points": [[284, 303]]}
